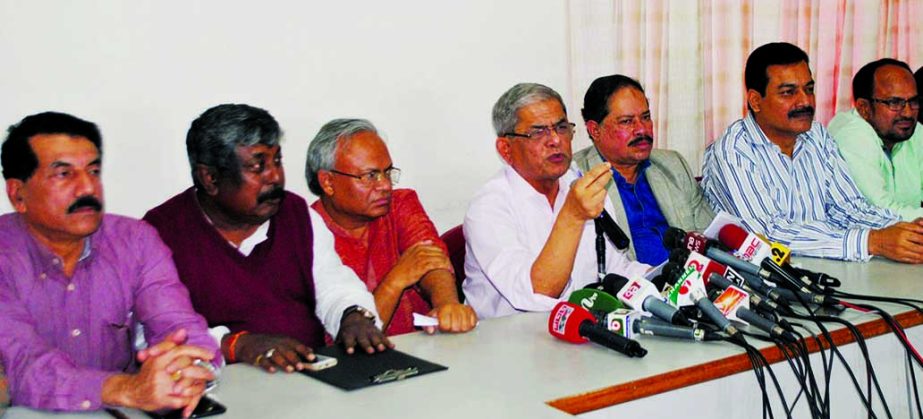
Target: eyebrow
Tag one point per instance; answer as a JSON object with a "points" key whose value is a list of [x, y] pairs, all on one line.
{"points": [[564, 118]]}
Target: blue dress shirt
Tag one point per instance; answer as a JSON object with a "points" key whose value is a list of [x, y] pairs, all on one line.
{"points": [[645, 220]]}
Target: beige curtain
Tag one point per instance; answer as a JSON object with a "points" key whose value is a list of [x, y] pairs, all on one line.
{"points": [[690, 55]]}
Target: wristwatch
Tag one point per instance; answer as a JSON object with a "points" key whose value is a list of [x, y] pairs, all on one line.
{"points": [[362, 310]]}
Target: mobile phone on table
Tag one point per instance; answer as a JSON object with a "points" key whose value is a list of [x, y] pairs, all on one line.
{"points": [[206, 407]]}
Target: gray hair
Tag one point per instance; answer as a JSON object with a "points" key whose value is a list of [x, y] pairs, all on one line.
{"points": [[214, 136], [518, 97], [322, 150]]}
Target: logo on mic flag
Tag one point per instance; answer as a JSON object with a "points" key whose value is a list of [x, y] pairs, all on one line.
{"points": [[559, 322]]}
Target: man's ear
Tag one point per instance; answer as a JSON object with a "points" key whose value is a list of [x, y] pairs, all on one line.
{"points": [[504, 149], [15, 190], [864, 107], [754, 99], [592, 129], [325, 180], [208, 178]]}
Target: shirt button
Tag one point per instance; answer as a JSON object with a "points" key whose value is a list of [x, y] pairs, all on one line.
{"points": [[55, 261], [75, 332], [86, 404], [43, 275], [71, 287]]}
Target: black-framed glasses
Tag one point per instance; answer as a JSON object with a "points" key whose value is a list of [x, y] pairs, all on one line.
{"points": [[563, 129], [392, 174], [898, 103]]}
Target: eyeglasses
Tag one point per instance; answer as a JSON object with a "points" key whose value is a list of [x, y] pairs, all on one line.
{"points": [[392, 174], [898, 103], [563, 129]]}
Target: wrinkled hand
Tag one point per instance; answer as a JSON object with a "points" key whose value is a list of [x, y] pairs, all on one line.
{"points": [[357, 329], [273, 352], [453, 317], [167, 379], [415, 262], [902, 242], [587, 196]]}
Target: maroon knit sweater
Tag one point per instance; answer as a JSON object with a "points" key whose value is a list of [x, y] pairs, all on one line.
{"points": [[270, 291]]}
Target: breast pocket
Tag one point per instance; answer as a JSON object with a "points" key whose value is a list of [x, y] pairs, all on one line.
{"points": [[117, 343]]}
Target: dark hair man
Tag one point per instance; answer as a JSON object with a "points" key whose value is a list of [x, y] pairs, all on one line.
{"points": [[651, 189], [75, 283], [880, 140], [253, 256], [782, 174]]}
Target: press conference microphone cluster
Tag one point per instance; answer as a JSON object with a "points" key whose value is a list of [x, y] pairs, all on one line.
{"points": [[754, 271], [574, 324]]}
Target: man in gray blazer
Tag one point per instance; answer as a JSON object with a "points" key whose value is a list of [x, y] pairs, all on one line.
{"points": [[651, 189]]}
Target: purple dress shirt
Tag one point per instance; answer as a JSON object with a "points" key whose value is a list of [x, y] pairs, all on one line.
{"points": [[61, 337]]}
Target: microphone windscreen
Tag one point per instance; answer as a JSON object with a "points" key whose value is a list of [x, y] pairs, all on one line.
{"points": [[565, 319], [732, 236], [612, 283], [673, 238], [679, 255]]}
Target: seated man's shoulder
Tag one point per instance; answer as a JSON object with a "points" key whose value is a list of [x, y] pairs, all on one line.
{"points": [[166, 211], [586, 157], [847, 128], [666, 156], [126, 230]]}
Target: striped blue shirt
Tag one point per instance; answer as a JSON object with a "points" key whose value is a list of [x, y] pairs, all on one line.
{"points": [[807, 202]]}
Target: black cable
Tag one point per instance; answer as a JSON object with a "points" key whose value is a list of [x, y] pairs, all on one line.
{"points": [[798, 370], [739, 340], [835, 351], [913, 385]]}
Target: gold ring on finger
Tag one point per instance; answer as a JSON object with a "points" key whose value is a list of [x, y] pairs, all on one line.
{"points": [[258, 359], [176, 375]]}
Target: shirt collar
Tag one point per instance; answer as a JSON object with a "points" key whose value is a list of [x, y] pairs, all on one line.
{"points": [[620, 180], [248, 244], [759, 137]]}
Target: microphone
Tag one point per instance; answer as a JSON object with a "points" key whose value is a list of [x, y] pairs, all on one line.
{"points": [[600, 250], [766, 268], [675, 238], [756, 299], [747, 246], [656, 327], [711, 312], [612, 230], [572, 323], [595, 299], [697, 261], [641, 294]]}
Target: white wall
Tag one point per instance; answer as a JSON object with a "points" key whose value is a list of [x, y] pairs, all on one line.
{"points": [[425, 72]]}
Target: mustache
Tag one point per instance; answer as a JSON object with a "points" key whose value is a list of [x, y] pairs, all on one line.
{"points": [[805, 111], [274, 193], [904, 119], [85, 202], [639, 139]]}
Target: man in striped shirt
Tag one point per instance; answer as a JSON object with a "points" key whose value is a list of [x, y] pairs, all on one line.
{"points": [[781, 173]]}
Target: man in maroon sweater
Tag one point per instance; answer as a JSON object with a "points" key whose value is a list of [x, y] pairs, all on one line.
{"points": [[254, 257]]}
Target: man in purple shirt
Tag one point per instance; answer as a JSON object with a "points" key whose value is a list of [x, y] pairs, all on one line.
{"points": [[74, 283]]}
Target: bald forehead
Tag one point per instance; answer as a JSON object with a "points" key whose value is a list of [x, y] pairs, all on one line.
{"points": [[890, 78]]}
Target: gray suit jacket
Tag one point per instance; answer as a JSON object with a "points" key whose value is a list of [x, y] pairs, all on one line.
{"points": [[675, 189]]}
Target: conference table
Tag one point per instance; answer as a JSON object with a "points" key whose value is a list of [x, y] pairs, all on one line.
{"points": [[511, 367]]}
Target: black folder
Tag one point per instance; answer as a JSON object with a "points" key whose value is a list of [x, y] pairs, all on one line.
{"points": [[362, 370]]}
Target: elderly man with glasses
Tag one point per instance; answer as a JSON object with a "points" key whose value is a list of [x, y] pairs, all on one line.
{"points": [[529, 230], [880, 138], [383, 234]]}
